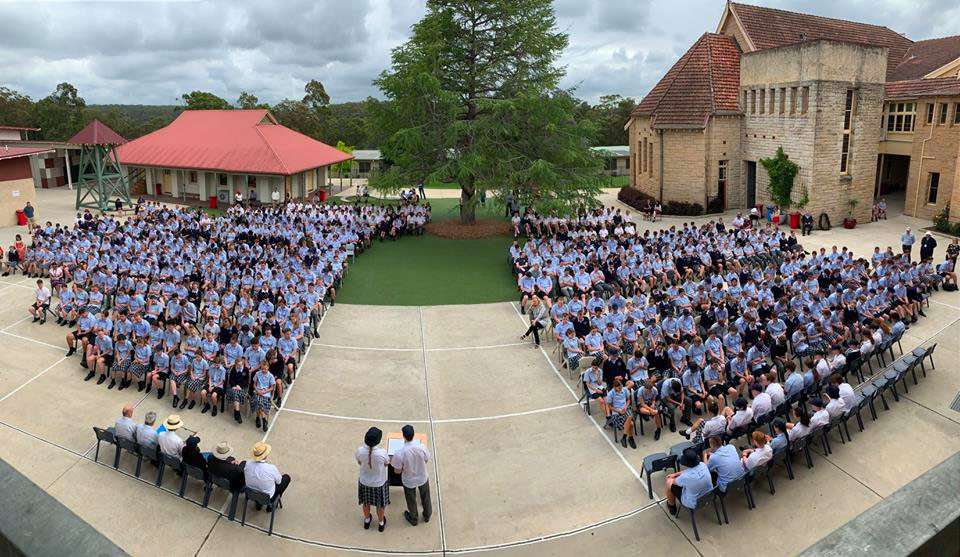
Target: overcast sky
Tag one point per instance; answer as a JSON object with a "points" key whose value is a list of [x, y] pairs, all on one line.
{"points": [[144, 52]]}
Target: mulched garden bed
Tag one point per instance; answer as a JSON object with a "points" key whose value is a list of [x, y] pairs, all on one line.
{"points": [[454, 230]]}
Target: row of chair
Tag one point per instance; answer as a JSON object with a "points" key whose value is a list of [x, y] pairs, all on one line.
{"points": [[871, 390], [185, 471]]}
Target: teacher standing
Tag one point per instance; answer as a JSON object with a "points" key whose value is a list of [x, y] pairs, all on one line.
{"points": [[373, 489], [410, 461]]}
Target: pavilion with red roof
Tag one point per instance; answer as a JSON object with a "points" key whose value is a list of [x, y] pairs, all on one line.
{"points": [[207, 153]]}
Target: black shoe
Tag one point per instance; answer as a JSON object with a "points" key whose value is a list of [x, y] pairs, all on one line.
{"points": [[239, 418], [42, 321], [71, 352], [148, 386], [140, 386], [183, 404], [59, 321], [176, 401], [123, 385], [206, 408], [214, 413], [656, 435], [236, 415], [160, 393], [259, 506], [672, 509], [101, 380], [316, 334], [921, 313], [632, 443], [426, 517], [83, 363], [264, 424], [113, 383], [35, 319], [366, 522], [409, 518], [258, 421], [89, 376], [685, 433], [192, 404], [382, 525]]}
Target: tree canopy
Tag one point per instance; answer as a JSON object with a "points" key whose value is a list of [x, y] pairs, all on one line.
{"points": [[204, 100], [473, 98]]}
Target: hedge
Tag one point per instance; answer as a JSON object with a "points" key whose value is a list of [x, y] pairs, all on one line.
{"points": [[638, 200]]}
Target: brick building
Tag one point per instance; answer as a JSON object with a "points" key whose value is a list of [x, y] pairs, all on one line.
{"points": [[861, 109]]}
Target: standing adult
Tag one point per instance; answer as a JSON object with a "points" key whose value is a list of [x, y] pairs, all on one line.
{"points": [[806, 224], [28, 211], [927, 244], [420, 190], [275, 196], [411, 463], [373, 489], [906, 242]]}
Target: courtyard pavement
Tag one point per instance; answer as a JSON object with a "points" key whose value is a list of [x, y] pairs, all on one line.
{"points": [[517, 469]]}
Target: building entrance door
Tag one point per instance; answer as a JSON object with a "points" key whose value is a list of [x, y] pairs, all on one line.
{"points": [[751, 183]]}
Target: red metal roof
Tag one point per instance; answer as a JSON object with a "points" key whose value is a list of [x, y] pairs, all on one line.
{"points": [[771, 28], [241, 141], [19, 129], [941, 86], [97, 133], [15, 152], [926, 56], [705, 81]]}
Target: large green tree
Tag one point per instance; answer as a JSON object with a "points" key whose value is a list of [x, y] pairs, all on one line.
{"points": [[60, 114], [249, 100], [15, 108], [610, 114], [473, 98], [204, 100]]}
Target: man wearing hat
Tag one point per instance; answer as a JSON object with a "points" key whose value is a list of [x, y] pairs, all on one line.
{"points": [[927, 244], [170, 443], [689, 485], [410, 461], [221, 463], [263, 476]]}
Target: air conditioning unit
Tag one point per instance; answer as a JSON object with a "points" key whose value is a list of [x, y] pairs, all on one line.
{"points": [[223, 196]]}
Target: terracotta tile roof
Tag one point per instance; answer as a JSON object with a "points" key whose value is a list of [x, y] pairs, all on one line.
{"points": [[240, 141], [97, 133], [770, 28], [705, 81], [922, 88], [926, 56]]}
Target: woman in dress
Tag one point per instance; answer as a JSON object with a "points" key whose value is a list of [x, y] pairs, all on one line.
{"points": [[373, 488]]}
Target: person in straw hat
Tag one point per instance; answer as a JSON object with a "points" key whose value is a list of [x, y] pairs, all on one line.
{"points": [[171, 443], [221, 463], [263, 476], [373, 489]]}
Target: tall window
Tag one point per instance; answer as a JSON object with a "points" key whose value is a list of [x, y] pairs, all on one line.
{"points": [[783, 99], [956, 113], [943, 113], [643, 156], [930, 113], [900, 117], [804, 99], [847, 131], [193, 177], [933, 188], [650, 159], [763, 97], [793, 100], [753, 101], [721, 177], [773, 101], [222, 179]]}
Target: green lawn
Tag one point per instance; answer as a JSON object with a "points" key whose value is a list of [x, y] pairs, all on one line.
{"points": [[428, 270], [441, 209]]}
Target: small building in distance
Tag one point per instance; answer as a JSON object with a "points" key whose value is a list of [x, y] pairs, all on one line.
{"points": [[214, 153], [366, 162], [616, 159]]}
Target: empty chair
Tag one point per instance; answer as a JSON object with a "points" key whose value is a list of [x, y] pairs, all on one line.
{"points": [[168, 461], [106, 436], [742, 485], [130, 446], [262, 499], [928, 353], [869, 392], [801, 445], [656, 462], [198, 474], [702, 502], [224, 483]]}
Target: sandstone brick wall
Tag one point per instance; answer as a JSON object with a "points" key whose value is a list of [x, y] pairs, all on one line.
{"points": [[684, 171], [723, 143], [644, 168], [941, 154]]}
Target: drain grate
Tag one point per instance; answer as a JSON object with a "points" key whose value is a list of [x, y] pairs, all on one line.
{"points": [[955, 405]]}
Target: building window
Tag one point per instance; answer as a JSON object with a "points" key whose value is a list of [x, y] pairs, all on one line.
{"points": [[763, 100], [933, 188], [193, 177], [744, 105], [753, 101], [643, 155], [943, 113], [783, 99], [847, 131], [650, 159], [929, 113], [956, 113], [900, 117], [626, 160], [804, 98], [721, 177], [773, 101], [222, 179], [793, 100]]}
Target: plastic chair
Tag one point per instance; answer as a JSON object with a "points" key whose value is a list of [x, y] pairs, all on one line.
{"points": [[656, 462], [165, 461], [190, 471], [676, 451], [224, 483], [740, 484], [131, 447], [106, 436], [703, 501], [767, 470], [262, 499]]}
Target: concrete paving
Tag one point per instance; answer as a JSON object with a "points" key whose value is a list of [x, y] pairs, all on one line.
{"points": [[518, 468]]}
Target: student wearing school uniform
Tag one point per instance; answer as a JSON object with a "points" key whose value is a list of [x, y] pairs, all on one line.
{"points": [[723, 462], [239, 387], [196, 381], [100, 356], [122, 360], [213, 391], [592, 379], [264, 384], [179, 374], [760, 454], [647, 398], [690, 484], [621, 413]]}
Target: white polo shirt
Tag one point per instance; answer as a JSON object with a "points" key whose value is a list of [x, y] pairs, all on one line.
{"points": [[759, 456], [42, 294], [411, 459], [261, 476], [170, 443], [373, 468]]}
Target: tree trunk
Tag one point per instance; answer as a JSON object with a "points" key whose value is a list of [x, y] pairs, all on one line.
{"points": [[467, 192]]}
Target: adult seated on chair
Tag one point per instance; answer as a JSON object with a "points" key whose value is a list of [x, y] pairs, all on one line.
{"points": [[688, 485], [723, 462], [146, 435], [262, 476], [125, 427], [760, 454], [170, 443], [222, 464], [191, 454]]}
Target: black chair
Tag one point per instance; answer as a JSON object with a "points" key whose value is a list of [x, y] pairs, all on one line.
{"points": [[106, 436], [703, 501], [262, 499], [190, 471], [767, 470], [173, 463], [656, 462], [928, 353], [801, 445], [224, 483], [677, 450], [741, 484], [869, 393], [131, 447], [822, 433]]}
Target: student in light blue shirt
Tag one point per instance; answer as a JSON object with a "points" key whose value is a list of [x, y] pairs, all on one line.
{"points": [[725, 461], [689, 485], [289, 351], [216, 377]]}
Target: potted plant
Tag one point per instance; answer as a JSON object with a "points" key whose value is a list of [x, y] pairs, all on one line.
{"points": [[849, 222]]}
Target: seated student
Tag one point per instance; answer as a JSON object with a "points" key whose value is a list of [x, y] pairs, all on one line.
{"points": [[100, 356], [41, 303], [799, 428], [760, 454], [793, 384], [621, 413], [714, 426], [671, 394], [213, 391], [238, 387], [179, 374], [845, 391], [159, 372], [780, 434], [741, 417], [592, 379], [84, 333], [122, 359], [773, 388], [688, 485], [264, 384], [820, 417], [692, 379], [647, 398], [573, 349], [723, 462], [835, 405], [762, 402]]}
